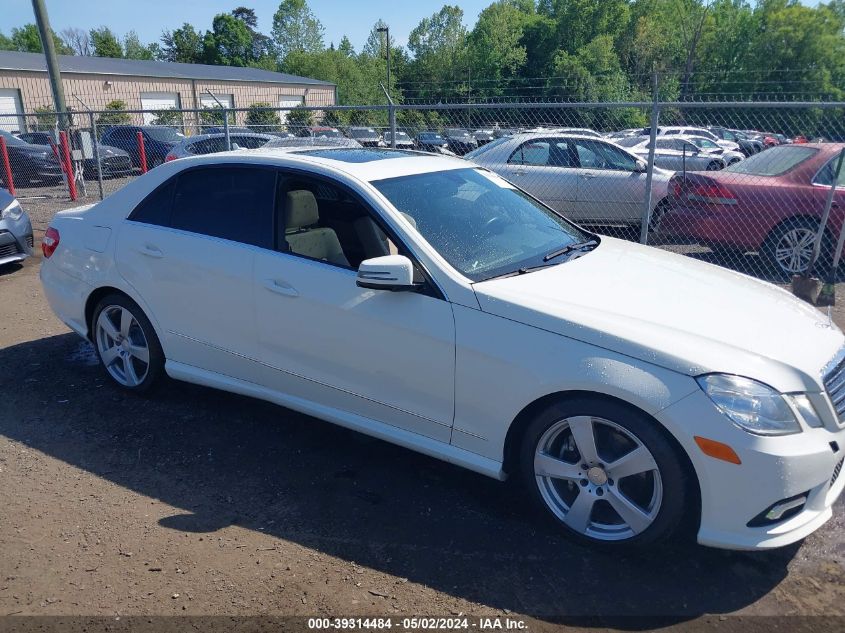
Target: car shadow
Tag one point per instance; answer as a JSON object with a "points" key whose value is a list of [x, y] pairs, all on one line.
{"points": [[10, 269], [229, 460]]}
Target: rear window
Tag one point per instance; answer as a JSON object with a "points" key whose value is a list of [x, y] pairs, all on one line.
{"points": [[774, 161]]}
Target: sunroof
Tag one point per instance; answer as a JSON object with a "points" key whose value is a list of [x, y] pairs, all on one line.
{"points": [[356, 154]]}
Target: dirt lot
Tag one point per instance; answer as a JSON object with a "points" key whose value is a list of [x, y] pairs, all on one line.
{"points": [[197, 502]]}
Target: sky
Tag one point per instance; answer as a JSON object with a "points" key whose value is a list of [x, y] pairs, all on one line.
{"points": [[150, 17]]}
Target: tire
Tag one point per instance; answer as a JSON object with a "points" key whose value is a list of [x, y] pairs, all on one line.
{"points": [[713, 166], [789, 247], [657, 493], [129, 350]]}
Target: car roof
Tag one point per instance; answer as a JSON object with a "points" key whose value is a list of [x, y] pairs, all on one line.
{"points": [[366, 164], [202, 137]]}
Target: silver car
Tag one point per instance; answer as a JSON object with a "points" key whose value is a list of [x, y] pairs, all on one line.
{"points": [[678, 153], [587, 179], [213, 143], [15, 230], [698, 131]]}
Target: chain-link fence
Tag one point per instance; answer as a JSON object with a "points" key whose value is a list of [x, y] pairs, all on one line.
{"points": [[740, 184]]}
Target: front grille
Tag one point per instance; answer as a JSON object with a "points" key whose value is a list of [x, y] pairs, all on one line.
{"points": [[834, 384], [836, 470], [8, 250], [117, 163], [29, 241]]}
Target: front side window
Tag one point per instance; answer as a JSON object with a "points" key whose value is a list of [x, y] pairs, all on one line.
{"points": [[233, 203], [481, 224], [598, 155]]}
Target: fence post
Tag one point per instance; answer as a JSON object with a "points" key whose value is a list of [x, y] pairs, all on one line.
{"points": [[7, 167], [226, 129], [68, 165], [142, 153], [655, 117], [96, 144]]}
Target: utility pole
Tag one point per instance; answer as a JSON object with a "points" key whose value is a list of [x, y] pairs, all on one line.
{"points": [[386, 31], [49, 46]]}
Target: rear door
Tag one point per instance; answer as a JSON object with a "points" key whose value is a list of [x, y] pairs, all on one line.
{"points": [[188, 251], [544, 168], [610, 187]]}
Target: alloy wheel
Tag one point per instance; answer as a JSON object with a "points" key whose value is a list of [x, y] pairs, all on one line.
{"points": [[598, 478], [794, 250], [122, 346]]}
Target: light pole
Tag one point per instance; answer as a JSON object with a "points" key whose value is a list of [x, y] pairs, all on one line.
{"points": [[386, 31]]}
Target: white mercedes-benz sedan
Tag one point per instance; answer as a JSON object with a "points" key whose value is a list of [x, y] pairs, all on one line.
{"points": [[428, 302]]}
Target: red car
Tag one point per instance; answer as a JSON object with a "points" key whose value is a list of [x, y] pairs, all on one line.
{"points": [[771, 202]]}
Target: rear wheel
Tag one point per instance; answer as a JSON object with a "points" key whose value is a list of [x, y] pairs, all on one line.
{"points": [[789, 247], [127, 344], [604, 473]]}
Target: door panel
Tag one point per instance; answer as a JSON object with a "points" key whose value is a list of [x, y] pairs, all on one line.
{"points": [[199, 290], [609, 188], [385, 355], [542, 168]]}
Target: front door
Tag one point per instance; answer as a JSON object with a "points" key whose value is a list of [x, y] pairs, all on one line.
{"points": [[385, 356], [542, 167]]}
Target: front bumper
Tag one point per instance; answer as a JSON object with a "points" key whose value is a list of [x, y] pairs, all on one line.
{"points": [[772, 469], [16, 242]]}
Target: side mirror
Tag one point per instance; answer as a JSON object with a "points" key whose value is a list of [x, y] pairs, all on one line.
{"points": [[641, 167], [390, 272], [235, 146]]}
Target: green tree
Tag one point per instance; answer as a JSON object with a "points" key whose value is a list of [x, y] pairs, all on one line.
{"points": [[170, 117], [133, 49], [261, 44], [438, 45], [296, 29], [26, 39], [496, 54], [229, 43], [299, 117], [184, 45], [213, 117], [114, 114], [45, 119], [105, 43], [261, 119]]}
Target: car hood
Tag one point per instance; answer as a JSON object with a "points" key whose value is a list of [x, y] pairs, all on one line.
{"points": [[672, 311], [108, 150]]}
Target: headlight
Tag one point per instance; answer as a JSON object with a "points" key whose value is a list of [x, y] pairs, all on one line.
{"points": [[806, 409], [749, 404], [13, 211]]}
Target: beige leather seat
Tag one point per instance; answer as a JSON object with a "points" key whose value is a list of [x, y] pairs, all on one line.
{"points": [[373, 239], [303, 237]]}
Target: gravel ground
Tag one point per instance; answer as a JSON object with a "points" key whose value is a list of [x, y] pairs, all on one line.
{"points": [[198, 502]]}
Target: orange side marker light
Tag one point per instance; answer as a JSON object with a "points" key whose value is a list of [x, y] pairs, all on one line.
{"points": [[717, 450]]}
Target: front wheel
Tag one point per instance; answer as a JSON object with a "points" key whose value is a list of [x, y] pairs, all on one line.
{"points": [[127, 344], [604, 473]]}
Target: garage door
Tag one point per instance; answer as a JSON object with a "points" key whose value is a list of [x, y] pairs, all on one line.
{"points": [[153, 101], [11, 110], [289, 102], [207, 101]]}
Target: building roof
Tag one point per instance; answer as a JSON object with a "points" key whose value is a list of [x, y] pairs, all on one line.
{"points": [[15, 60]]}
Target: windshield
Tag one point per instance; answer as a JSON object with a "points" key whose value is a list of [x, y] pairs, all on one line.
{"points": [[12, 139], [705, 143], [431, 137], [481, 224], [454, 131], [774, 161], [400, 136], [327, 133], [630, 141], [164, 134], [485, 147], [361, 132]]}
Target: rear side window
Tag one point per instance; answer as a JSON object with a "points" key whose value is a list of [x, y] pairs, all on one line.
{"points": [[233, 203], [155, 208], [774, 161]]}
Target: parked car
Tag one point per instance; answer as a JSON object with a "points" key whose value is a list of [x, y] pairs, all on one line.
{"points": [[771, 203], [158, 141], [312, 142], [460, 140], [397, 295], [585, 178], [677, 153], [15, 230], [113, 161], [212, 143], [319, 131], [403, 140], [431, 142], [366, 136], [219, 129], [698, 132], [30, 164], [484, 136], [747, 146]]}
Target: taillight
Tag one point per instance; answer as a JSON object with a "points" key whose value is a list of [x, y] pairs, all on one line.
{"points": [[710, 193], [169, 158], [49, 242]]}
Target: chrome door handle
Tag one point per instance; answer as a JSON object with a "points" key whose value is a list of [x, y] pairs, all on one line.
{"points": [[588, 175], [518, 172], [151, 251], [280, 288]]}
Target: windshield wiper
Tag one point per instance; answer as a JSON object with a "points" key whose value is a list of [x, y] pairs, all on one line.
{"points": [[568, 249]]}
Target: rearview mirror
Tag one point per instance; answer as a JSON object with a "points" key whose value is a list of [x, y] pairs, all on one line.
{"points": [[390, 272]]}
